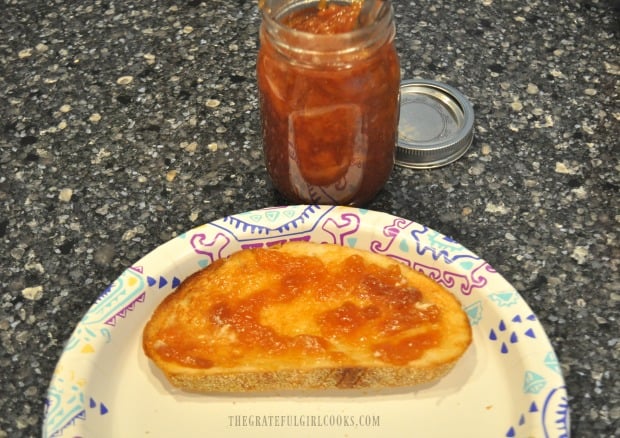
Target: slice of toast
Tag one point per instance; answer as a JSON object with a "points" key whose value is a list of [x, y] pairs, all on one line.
{"points": [[306, 315]]}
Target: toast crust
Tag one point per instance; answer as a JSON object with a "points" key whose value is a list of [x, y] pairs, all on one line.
{"points": [[306, 316]]}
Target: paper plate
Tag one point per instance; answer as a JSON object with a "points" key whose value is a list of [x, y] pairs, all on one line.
{"points": [[508, 384]]}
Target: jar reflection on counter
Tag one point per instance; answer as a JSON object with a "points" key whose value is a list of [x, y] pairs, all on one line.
{"points": [[329, 107]]}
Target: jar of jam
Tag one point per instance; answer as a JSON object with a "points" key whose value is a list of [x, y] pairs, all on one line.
{"points": [[329, 99]]}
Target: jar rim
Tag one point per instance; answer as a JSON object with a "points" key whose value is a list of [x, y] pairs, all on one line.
{"points": [[340, 49], [357, 34]]}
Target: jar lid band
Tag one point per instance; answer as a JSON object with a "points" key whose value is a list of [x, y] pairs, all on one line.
{"points": [[436, 124]]}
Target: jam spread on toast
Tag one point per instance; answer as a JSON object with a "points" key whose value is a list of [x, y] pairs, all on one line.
{"points": [[281, 306]]}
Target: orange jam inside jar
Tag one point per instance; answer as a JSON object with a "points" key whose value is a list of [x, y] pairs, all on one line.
{"points": [[329, 99]]}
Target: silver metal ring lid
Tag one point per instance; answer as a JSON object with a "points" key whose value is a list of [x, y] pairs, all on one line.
{"points": [[436, 124]]}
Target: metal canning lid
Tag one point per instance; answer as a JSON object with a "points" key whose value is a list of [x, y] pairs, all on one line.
{"points": [[436, 124]]}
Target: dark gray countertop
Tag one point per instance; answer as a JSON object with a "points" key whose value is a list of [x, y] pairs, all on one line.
{"points": [[97, 170]]}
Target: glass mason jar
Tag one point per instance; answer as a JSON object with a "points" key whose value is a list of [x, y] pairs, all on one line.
{"points": [[329, 106]]}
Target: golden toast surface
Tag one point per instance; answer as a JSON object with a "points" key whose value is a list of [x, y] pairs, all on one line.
{"points": [[305, 315]]}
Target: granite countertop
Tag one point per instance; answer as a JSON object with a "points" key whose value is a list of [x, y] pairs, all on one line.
{"points": [[124, 124]]}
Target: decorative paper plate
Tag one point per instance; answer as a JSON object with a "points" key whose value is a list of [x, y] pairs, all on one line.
{"points": [[508, 384]]}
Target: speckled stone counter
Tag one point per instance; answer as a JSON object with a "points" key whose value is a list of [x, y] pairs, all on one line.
{"points": [[124, 124]]}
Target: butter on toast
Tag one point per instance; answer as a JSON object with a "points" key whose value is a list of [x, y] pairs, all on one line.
{"points": [[306, 315]]}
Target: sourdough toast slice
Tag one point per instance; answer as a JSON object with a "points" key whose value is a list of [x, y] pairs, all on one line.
{"points": [[306, 315]]}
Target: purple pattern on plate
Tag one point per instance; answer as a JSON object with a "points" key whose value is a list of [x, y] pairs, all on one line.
{"points": [[212, 247], [389, 247], [128, 308], [349, 224], [467, 283]]}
